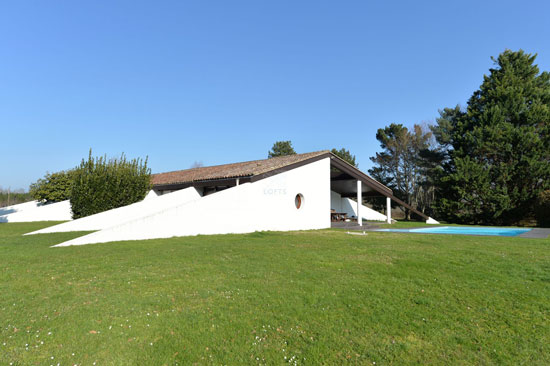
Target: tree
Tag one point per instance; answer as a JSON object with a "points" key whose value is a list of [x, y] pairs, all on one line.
{"points": [[345, 155], [497, 159], [400, 164], [54, 187], [101, 184], [281, 148], [542, 210], [10, 197]]}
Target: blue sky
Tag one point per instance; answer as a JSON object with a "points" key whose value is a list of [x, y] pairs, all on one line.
{"points": [[220, 81]]}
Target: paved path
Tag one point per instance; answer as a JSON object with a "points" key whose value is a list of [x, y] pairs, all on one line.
{"points": [[352, 226], [536, 233]]}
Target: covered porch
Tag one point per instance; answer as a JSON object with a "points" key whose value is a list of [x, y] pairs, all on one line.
{"points": [[350, 183]]}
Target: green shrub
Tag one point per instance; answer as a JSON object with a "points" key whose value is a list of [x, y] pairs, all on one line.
{"points": [[54, 187], [542, 211], [100, 184]]}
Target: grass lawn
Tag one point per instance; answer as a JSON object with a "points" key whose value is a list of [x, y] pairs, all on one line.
{"points": [[402, 224], [320, 297]]}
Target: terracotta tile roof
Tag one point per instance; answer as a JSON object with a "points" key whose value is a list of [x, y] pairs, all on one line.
{"points": [[235, 170]]}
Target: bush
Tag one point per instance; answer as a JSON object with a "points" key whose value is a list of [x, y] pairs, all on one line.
{"points": [[101, 184], [542, 210], [54, 187]]}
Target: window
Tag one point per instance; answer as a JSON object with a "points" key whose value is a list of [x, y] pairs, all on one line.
{"points": [[299, 200]]}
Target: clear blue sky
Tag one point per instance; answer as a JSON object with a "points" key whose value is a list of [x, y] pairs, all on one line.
{"points": [[220, 81]]}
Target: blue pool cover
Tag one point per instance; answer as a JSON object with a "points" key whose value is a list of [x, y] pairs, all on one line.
{"points": [[463, 230]]}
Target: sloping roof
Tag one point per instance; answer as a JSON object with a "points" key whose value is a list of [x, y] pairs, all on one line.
{"points": [[235, 170], [257, 169]]}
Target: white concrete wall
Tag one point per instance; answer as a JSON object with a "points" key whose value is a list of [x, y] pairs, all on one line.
{"points": [[349, 206], [267, 204], [18, 208], [152, 203], [336, 202], [151, 194], [34, 211]]}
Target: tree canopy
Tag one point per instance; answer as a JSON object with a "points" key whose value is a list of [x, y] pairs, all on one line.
{"points": [[9, 197], [496, 155], [542, 209], [281, 148], [54, 187], [345, 155], [400, 167]]}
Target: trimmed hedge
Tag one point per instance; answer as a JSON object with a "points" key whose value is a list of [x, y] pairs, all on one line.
{"points": [[100, 184]]}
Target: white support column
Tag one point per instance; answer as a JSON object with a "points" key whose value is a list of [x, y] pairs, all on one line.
{"points": [[359, 202], [237, 181], [388, 210]]}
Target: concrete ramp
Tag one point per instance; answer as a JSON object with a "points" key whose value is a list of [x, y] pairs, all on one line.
{"points": [[349, 206], [4, 211], [116, 216], [35, 211], [268, 204]]}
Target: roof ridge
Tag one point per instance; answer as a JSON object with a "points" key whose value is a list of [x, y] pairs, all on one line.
{"points": [[243, 162]]}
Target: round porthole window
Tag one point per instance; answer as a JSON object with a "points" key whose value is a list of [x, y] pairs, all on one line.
{"points": [[299, 200]]}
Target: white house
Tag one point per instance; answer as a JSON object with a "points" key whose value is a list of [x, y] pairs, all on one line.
{"points": [[296, 192]]}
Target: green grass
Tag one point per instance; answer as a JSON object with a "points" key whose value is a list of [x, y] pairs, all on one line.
{"points": [[320, 297], [402, 224]]}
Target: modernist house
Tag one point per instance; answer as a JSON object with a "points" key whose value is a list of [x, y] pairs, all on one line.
{"points": [[296, 192]]}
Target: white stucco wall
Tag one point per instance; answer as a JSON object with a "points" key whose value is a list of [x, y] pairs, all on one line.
{"points": [[34, 211], [336, 202], [151, 194], [18, 208], [267, 204], [349, 206], [152, 203]]}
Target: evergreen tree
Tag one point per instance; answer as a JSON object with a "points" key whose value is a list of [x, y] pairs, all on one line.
{"points": [[496, 153], [281, 148], [400, 164], [542, 209], [345, 155]]}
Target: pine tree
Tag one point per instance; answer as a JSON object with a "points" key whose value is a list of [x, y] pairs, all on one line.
{"points": [[345, 155], [498, 149], [400, 165], [281, 148]]}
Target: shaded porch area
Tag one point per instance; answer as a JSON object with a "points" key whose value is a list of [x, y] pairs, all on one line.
{"points": [[353, 186]]}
